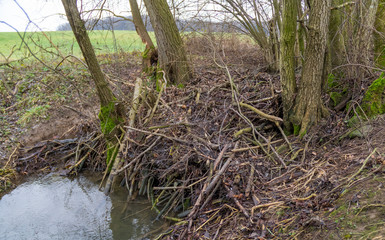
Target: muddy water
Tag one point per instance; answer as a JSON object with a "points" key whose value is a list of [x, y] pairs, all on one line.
{"points": [[55, 207]]}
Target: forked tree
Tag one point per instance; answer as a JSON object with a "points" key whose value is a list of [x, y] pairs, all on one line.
{"points": [[307, 107]]}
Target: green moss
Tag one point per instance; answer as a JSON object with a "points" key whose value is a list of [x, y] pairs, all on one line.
{"points": [[303, 134], [336, 97], [39, 111], [373, 103], [332, 81], [381, 60], [335, 89], [108, 122], [146, 57], [348, 236], [158, 78], [297, 128], [146, 52], [353, 122], [187, 203], [339, 211], [287, 131], [280, 213], [361, 132], [6, 177], [371, 194], [363, 220]]}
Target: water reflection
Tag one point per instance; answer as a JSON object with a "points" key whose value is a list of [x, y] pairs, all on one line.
{"points": [[55, 207]]}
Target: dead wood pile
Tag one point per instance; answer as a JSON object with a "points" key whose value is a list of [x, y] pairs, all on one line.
{"points": [[213, 159]]}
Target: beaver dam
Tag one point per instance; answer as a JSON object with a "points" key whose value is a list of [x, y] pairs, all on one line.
{"points": [[209, 158]]}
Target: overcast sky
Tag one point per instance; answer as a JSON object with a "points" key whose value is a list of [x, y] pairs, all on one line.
{"points": [[47, 14]]}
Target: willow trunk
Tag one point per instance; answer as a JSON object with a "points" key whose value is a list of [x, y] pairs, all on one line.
{"points": [[287, 58], [308, 108], [150, 54], [111, 111], [379, 35], [172, 55]]}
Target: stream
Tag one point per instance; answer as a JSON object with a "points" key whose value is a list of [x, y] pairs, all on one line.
{"points": [[56, 207]]}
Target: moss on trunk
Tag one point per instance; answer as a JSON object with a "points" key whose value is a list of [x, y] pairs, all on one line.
{"points": [[111, 111], [336, 39], [287, 60], [108, 121], [379, 35], [373, 103], [308, 107], [110, 124]]}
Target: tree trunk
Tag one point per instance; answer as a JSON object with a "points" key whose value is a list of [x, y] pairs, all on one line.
{"points": [[150, 55], [287, 59], [111, 111], [366, 14], [275, 26], [301, 36], [308, 107], [379, 35], [363, 17], [335, 43], [274, 45], [172, 56], [336, 51]]}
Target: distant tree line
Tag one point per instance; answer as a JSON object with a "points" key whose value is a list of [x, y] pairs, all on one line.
{"points": [[117, 23]]}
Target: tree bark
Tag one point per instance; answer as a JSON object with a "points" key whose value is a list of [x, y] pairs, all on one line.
{"points": [[336, 52], [301, 36], [111, 111], [365, 16], [308, 107], [379, 35], [287, 59], [274, 43], [150, 55], [139, 25], [172, 56], [335, 47]]}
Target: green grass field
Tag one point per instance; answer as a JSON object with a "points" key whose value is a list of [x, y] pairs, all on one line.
{"points": [[49, 44]]}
